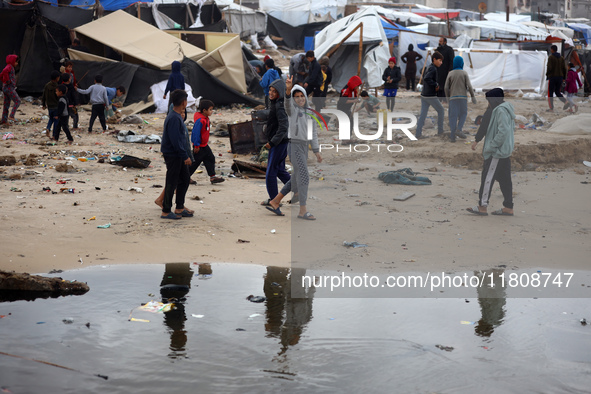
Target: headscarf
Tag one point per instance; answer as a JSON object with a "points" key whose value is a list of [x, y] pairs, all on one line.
{"points": [[353, 83], [458, 63], [411, 47], [392, 59], [10, 64], [267, 57], [495, 98], [11, 59]]}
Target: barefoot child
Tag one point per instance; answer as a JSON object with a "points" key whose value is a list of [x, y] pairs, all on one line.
{"points": [[298, 115]]}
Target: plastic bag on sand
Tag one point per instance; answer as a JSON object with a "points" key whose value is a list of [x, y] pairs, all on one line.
{"points": [[269, 43], [521, 119], [254, 41]]}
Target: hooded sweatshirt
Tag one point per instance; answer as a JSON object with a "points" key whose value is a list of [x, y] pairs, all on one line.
{"points": [[573, 81], [495, 98], [176, 79], [458, 81], [277, 123], [299, 118], [270, 76], [556, 66], [200, 133], [7, 76], [499, 141], [349, 90]]}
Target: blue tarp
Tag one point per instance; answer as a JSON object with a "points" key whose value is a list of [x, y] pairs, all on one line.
{"points": [[388, 29], [108, 5], [581, 28]]}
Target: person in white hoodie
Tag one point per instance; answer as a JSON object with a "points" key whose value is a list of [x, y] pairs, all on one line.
{"points": [[298, 113]]}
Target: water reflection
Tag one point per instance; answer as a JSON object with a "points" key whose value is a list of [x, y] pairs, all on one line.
{"points": [[175, 284], [286, 317], [492, 300]]}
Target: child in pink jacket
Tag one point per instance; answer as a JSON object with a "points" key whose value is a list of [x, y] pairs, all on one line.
{"points": [[573, 83]]}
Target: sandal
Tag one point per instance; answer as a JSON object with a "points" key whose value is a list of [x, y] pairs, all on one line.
{"points": [[500, 212], [276, 211], [185, 213], [171, 215], [476, 211], [267, 203], [307, 216]]}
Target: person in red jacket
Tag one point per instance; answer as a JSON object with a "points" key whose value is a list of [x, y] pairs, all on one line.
{"points": [[200, 139], [9, 89]]}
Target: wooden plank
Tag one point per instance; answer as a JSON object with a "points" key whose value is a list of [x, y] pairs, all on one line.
{"points": [[404, 196]]}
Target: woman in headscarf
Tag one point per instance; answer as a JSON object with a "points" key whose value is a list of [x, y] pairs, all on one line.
{"points": [[175, 80], [410, 58], [8, 78], [349, 95], [457, 85]]}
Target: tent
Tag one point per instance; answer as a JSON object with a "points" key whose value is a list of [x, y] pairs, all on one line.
{"points": [[301, 12], [244, 21], [136, 41], [506, 30], [582, 28], [204, 17], [138, 79], [403, 17], [567, 31], [392, 29], [502, 17], [341, 40], [108, 5], [292, 36]]}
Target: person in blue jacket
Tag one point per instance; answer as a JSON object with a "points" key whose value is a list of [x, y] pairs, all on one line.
{"points": [[270, 75], [175, 80]]}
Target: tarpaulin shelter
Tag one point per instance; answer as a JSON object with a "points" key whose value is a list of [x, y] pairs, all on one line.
{"points": [[136, 41], [567, 31], [582, 28], [244, 21], [301, 12], [392, 29], [138, 79], [204, 17], [108, 5], [506, 30], [403, 17], [356, 44], [292, 36]]}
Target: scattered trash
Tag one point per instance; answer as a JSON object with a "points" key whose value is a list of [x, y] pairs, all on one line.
{"points": [[104, 225], [256, 299], [587, 163], [404, 196], [243, 241], [132, 119], [198, 316], [92, 218], [354, 244], [135, 189], [254, 315], [273, 231], [8, 136], [15, 189], [152, 307], [404, 176], [240, 329], [446, 348], [130, 161], [140, 320], [68, 320], [537, 120], [521, 119], [467, 322], [130, 136], [583, 322], [362, 203]]}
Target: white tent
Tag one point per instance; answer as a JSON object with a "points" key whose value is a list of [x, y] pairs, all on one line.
{"points": [[567, 31], [301, 12], [244, 21], [506, 30], [403, 16], [344, 60], [502, 17]]}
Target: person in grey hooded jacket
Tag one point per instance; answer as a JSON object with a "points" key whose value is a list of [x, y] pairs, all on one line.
{"points": [[300, 117]]}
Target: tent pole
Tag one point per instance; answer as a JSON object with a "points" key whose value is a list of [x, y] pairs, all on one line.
{"points": [[333, 50], [424, 65], [448, 24], [139, 13], [360, 50]]}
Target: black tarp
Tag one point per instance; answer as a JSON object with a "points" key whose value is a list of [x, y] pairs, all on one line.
{"points": [[68, 17], [137, 80], [248, 53], [209, 87], [12, 30], [293, 36], [35, 62]]}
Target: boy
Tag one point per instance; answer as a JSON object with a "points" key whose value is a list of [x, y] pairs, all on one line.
{"points": [[177, 159], [200, 138], [98, 100], [116, 98], [61, 114], [429, 96], [49, 102], [72, 97], [370, 103], [69, 69]]}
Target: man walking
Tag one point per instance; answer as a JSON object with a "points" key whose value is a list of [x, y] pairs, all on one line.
{"points": [[555, 74], [446, 66]]}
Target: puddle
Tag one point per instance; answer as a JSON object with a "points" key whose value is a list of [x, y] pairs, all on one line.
{"points": [[217, 341]]}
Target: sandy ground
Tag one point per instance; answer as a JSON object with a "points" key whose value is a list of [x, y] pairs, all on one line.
{"points": [[41, 231]]}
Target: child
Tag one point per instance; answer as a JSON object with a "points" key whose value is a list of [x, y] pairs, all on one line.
{"points": [[348, 95], [297, 113], [62, 114], [8, 79], [573, 83], [270, 75], [116, 99], [175, 80], [98, 100], [456, 86], [391, 77], [72, 97], [370, 103], [200, 138], [69, 69], [429, 96], [49, 101]]}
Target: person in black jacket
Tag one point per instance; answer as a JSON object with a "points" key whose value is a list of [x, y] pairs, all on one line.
{"points": [[429, 96], [72, 97], [277, 126], [446, 67], [391, 77], [314, 79]]}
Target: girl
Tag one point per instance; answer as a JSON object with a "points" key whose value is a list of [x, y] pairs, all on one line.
{"points": [[348, 95], [391, 78], [573, 83], [298, 115], [9, 89]]}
